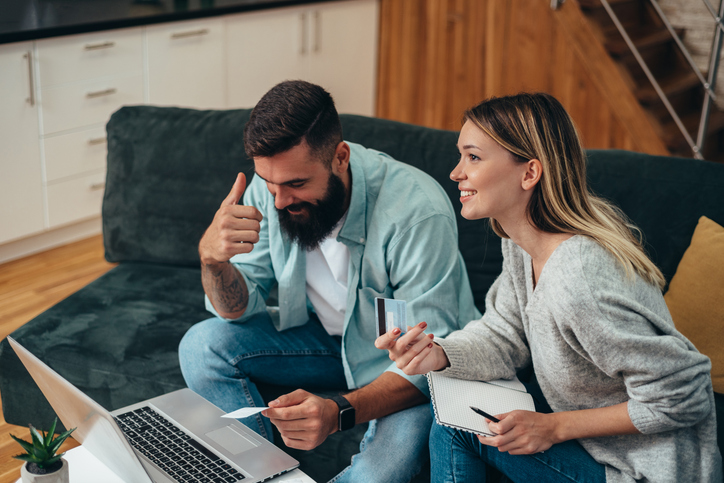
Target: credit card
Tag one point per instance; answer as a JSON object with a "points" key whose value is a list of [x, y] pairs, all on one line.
{"points": [[390, 313]]}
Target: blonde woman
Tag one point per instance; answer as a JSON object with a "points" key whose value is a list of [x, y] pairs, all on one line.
{"points": [[578, 300]]}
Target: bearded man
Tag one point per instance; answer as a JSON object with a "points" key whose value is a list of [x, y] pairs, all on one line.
{"points": [[333, 225]]}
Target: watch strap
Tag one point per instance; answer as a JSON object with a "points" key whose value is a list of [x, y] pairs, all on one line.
{"points": [[346, 418]]}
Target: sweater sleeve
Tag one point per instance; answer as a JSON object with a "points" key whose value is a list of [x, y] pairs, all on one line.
{"points": [[495, 346], [628, 333]]}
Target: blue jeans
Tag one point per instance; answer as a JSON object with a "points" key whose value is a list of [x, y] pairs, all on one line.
{"points": [[457, 456], [222, 361]]}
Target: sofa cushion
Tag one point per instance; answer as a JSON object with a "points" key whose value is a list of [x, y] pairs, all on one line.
{"points": [[116, 340], [168, 171], [664, 196], [694, 297]]}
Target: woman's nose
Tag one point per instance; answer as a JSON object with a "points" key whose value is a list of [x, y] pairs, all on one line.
{"points": [[457, 173]]}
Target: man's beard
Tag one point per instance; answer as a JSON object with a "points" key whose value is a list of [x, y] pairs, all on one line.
{"points": [[308, 230]]}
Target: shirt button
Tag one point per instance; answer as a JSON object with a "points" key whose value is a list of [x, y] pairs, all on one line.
{"points": [[361, 240]]}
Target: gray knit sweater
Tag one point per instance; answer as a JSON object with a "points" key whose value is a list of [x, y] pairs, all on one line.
{"points": [[597, 338]]}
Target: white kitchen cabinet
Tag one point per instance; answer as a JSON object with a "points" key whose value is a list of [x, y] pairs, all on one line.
{"points": [[262, 49], [75, 198], [96, 55], [343, 53], [332, 44], [56, 95], [21, 187], [186, 65], [75, 154], [83, 80], [88, 103]]}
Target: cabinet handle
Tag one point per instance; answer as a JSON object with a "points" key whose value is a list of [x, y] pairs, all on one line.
{"points": [[317, 30], [303, 40], [106, 92], [190, 33], [97, 186], [102, 45], [31, 99], [95, 141]]}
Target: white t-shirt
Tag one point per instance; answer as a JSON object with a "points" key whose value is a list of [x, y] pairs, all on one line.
{"points": [[327, 269]]}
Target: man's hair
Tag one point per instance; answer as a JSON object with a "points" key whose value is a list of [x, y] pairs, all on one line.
{"points": [[292, 112]]}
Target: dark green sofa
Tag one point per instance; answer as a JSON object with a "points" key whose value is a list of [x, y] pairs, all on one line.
{"points": [[168, 171]]}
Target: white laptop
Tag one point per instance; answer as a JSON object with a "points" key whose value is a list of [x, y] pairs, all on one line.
{"points": [[177, 437]]}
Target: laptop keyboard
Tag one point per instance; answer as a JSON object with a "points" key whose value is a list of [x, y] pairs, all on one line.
{"points": [[174, 451]]}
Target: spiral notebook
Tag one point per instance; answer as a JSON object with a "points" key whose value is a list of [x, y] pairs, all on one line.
{"points": [[452, 398]]}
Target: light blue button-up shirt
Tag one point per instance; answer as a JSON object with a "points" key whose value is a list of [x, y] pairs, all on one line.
{"points": [[402, 238]]}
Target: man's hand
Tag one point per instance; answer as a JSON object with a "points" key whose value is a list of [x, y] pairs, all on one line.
{"points": [[414, 352], [303, 419], [234, 230]]}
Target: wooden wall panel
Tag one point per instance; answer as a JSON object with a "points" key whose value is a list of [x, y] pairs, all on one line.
{"points": [[430, 64], [438, 57]]}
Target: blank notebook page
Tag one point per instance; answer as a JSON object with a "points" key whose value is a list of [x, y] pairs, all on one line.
{"points": [[452, 399]]}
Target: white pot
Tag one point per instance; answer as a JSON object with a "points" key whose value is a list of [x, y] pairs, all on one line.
{"points": [[60, 476]]}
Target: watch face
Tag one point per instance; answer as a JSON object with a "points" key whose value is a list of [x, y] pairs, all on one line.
{"points": [[346, 419]]}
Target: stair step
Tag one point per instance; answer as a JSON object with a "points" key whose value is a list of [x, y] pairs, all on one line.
{"points": [[589, 4], [674, 84], [675, 140], [681, 102], [642, 38], [629, 12]]}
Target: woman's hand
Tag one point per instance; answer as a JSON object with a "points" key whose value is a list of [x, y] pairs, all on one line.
{"points": [[526, 432], [414, 352], [522, 432]]}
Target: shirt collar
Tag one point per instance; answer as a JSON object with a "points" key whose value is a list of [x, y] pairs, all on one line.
{"points": [[354, 229]]}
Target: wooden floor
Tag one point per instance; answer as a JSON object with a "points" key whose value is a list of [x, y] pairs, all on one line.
{"points": [[29, 286]]}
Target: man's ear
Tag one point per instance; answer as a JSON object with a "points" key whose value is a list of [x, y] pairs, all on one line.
{"points": [[340, 162], [532, 174]]}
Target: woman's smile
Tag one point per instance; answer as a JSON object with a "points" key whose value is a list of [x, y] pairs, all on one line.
{"points": [[466, 195]]}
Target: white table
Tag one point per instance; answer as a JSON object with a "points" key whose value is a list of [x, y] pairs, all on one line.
{"points": [[86, 468]]}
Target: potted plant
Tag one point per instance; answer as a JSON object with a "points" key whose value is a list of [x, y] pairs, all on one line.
{"points": [[42, 464]]}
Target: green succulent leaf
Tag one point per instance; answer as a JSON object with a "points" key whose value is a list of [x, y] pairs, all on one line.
{"points": [[57, 442], [37, 437], [28, 447], [54, 447], [25, 457], [42, 454], [43, 447], [50, 433]]}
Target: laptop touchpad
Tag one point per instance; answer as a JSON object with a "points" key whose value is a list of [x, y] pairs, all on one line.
{"points": [[231, 441]]}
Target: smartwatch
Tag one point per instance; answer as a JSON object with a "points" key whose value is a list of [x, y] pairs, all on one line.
{"points": [[346, 413]]}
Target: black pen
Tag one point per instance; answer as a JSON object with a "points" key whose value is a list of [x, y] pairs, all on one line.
{"points": [[484, 414]]}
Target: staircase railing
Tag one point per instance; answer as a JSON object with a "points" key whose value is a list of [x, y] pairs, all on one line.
{"points": [[708, 83]]}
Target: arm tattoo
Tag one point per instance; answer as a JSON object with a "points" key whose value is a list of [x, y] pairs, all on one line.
{"points": [[225, 287]]}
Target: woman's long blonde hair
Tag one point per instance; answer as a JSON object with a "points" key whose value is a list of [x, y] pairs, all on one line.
{"points": [[536, 126]]}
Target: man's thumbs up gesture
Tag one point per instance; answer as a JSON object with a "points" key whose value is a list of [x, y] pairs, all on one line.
{"points": [[234, 230]]}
